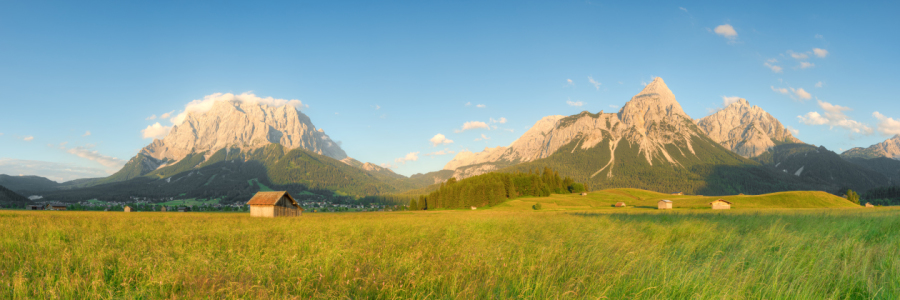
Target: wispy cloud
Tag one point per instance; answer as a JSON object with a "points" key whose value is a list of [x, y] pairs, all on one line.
{"points": [[468, 103], [771, 65], [796, 55], [887, 126], [151, 117], [480, 106], [155, 131], [87, 133], [801, 94], [441, 152], [574, 103], [28, 138], [834, 116], [798, 93], [499, 121], [439, 139], [569, 82], [482, 138], [726, 101], [819, 84], [780, 90], [112, 164], [595, 83], [167, 115], [683, 9], [806, 64], [472, 125], [58, 172]]}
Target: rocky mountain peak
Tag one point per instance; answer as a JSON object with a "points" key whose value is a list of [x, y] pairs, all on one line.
{"points": [[747, 130], [655, 103], [242, 125], [890, 148]]}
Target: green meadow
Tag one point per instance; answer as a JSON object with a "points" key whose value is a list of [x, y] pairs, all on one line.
{"points": [[575, 248]]}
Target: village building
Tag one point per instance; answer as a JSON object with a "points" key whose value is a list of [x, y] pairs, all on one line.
{"points": [[620, 204], [720, 204], [34, 207], [869, 204], [274, 204], [57, 206], [184, 209], [127, 209], [664, 204]]}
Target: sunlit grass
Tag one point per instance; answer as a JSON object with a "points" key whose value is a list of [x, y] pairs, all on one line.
{"points": [[635, 254]]}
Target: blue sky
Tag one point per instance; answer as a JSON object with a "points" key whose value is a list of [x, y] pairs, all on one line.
{"points": [[384, 78]]}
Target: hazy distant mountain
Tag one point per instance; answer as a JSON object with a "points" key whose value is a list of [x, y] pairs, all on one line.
{"points": [[747, 130], [889, 148], [28, 184]]}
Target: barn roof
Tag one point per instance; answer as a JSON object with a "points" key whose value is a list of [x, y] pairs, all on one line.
{"points": [[270, 198], [665, 200], [720, 200]]}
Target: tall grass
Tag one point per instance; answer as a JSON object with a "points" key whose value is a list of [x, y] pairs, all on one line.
{"points": [[808, 254]]}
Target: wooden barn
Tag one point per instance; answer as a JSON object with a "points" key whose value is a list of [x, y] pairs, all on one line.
{"points": [[869, 204], [274, 204], [34, 207], [678, 193], [162, 209], [127, 209], [720, 204], [584, 193], [57, 206], [184, 209], [620, 204], [664, 204]]}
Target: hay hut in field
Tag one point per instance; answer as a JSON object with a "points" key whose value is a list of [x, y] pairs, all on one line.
{"points": [[274, 204], [163, 208], [584, 193], [127, 209], [474, 208], [620, 204], [678, 194], [720, 204], [664, 204], [869, 204]]}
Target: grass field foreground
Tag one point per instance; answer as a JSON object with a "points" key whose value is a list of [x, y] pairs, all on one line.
{"points": [[739, 254]]}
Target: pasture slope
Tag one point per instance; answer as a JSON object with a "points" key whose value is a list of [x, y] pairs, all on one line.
{"points": [[642, 199]]}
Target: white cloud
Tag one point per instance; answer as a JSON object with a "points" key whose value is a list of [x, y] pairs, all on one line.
{"points": [[112, 164], [155, 131], [727, 31], [780, 90], [819, 36], [473, 125], [442, 152], [576, 103], [439, 139], [151, 117], [834, 116], [801, 94], [468, 103], [58, 172], [806, 64], [499, 121], [203, 105], [821, 53], [796, 55], [28, 138], [480, 106], [819, 84], [570, 82], [482, 138], [166, 115], [771, 65], [387, 165], [377, 107], [594, 83], [412, 156], [684, 9], [87, 133], [888, 126], [726, 101]]}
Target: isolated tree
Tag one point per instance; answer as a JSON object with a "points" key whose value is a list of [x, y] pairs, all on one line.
{"points": [[413, 205], [853, 196]]}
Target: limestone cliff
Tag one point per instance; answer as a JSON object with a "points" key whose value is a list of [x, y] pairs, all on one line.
{"points": [[747, 130], [889, 148]]}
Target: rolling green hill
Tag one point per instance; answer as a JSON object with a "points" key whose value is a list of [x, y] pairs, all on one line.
{"points": [[642, 199]]}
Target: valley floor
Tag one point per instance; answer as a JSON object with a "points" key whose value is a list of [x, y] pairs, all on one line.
{"points": [[837, 253]]}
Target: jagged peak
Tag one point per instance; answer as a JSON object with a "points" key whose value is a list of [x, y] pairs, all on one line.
{"points": [[655, 102], [657, 86]]}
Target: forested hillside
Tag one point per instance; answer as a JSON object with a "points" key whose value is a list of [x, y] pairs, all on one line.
{"points": [[493, 188], [8, 198]]}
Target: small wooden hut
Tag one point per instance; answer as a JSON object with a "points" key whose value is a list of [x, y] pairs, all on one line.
{"points": [[274, 204], [584, 193], [163, 208], [664, 204], [620, 204], [869, 204], [720, 204], [127, 209], [678, 193], [34, 207], [57, 206]]}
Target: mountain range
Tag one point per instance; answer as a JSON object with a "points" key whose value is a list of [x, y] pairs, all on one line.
{"points": [[237, 148]]}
